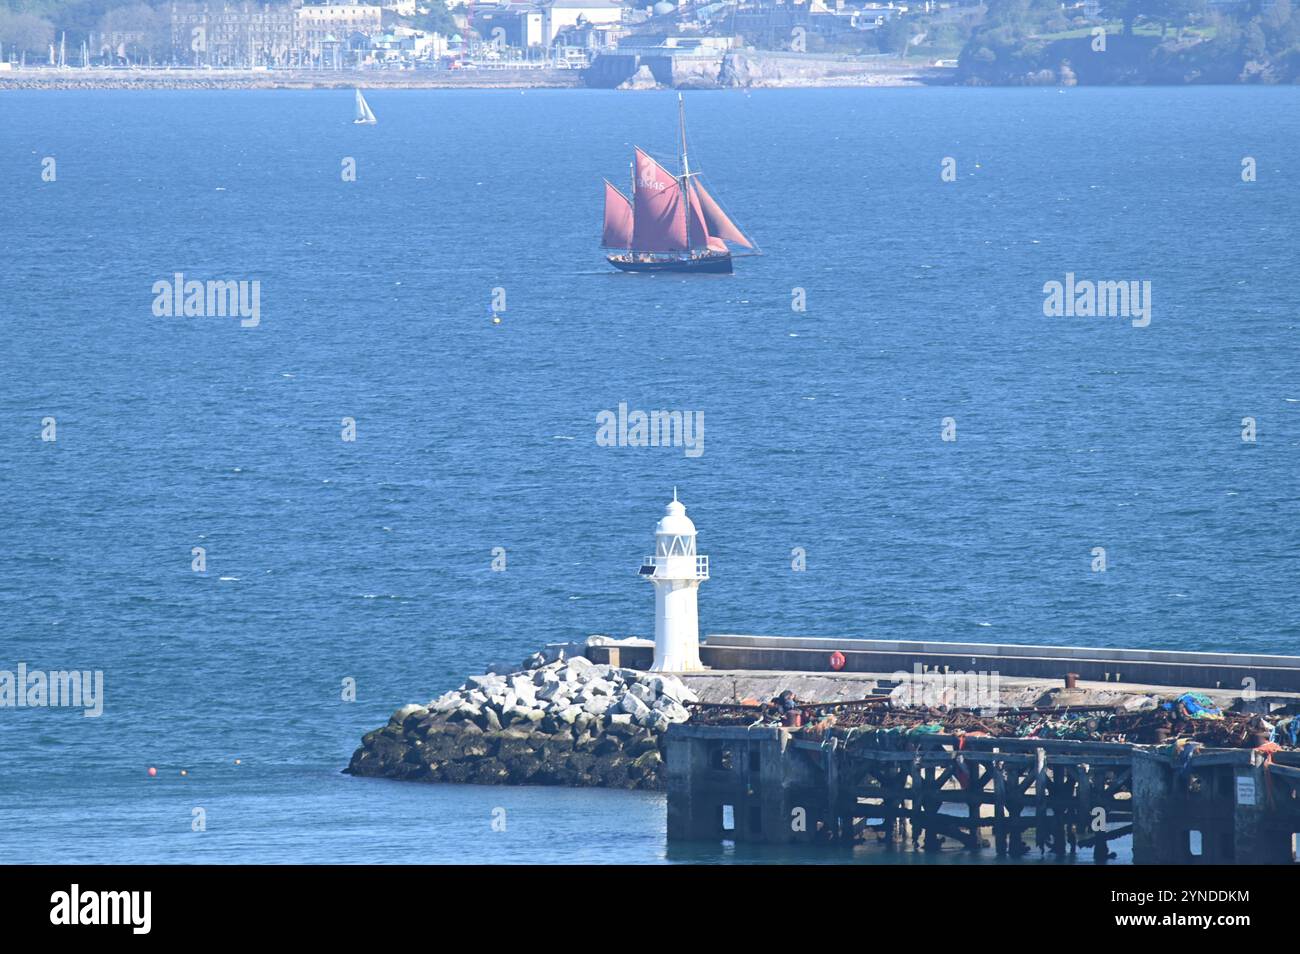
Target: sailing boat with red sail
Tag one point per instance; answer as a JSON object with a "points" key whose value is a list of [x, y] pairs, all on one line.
{"points": [[671, 223]]}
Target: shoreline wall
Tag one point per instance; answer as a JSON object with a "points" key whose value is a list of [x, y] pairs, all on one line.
{"points": [[742, 69], [290, 79]]}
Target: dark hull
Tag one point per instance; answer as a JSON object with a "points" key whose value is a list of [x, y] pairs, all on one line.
{"points": [[705, 265]]}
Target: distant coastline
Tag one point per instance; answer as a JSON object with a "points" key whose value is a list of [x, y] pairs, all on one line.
{"points": [[892, 74], [616, 45]]}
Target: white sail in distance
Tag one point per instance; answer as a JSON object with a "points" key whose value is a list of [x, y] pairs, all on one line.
{"points": [[364, 113]]}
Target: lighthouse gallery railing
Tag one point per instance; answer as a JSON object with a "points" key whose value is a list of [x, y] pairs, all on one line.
{"points": [[651, 565]]}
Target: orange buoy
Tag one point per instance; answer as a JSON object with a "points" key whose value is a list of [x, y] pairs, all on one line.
{"points": [[837, 660], [152, 771]]}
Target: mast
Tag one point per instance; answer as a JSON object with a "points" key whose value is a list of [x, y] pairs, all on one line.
{"points": [[685, 182], [681, 125]]}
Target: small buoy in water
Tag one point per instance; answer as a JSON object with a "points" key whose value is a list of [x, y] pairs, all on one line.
{"points": [[152, 771], [496, 319], [236, 761], [183, 772]]}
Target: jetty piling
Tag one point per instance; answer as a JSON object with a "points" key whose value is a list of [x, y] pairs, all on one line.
{"points": [[1012, 795]]}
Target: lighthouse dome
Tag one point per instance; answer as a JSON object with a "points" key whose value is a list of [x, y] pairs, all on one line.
{"points": [[674, 522]]}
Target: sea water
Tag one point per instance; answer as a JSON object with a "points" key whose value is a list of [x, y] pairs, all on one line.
{"points": [[330, 563]]}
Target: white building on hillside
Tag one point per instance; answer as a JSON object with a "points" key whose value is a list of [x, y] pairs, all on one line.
{"points": [[562, 14]]}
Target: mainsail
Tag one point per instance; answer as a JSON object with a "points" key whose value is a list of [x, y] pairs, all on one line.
{"points": [[364, 114], [618, 219], [659, 224]]}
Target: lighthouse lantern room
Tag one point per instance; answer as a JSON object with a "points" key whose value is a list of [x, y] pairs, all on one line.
{"points": [[676, 571]]}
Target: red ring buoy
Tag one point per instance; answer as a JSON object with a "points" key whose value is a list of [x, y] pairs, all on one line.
{"points": [[837, 660]]}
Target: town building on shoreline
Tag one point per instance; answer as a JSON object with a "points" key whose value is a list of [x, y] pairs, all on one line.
{"points": [[520, 25], [319, 24], [249, 34], [210, 34], [395, 34], [564, 14], [108, 44]]}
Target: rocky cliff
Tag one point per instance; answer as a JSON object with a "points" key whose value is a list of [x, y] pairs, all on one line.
{"points": [[751, 69]]}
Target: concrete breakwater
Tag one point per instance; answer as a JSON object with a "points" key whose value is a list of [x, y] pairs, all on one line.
{"points": [[180, 79], [566, 721], [591, 714], [747, 69]]}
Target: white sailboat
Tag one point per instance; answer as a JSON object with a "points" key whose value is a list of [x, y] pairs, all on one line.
{"points": [[364, 114]]}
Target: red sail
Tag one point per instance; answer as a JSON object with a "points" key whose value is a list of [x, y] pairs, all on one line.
{"points": [[660, 222], [618, 219], [716, 220], [697, 231]]}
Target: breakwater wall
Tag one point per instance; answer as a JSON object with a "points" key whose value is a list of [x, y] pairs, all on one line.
{"points": [[1228, 671], [289, 79], [568, 721], [590, 714]]}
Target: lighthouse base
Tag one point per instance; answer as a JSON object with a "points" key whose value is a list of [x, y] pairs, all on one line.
{"points": [[678, 665], [677, 623]]}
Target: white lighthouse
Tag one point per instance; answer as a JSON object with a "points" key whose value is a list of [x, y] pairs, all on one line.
{"points": [[676, 571]]}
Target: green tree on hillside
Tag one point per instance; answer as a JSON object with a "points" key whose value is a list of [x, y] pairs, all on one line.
{"points": [[1167, 13], [1176, 13], [153, 22], [76, 18], [437, 20], [23, 32]]}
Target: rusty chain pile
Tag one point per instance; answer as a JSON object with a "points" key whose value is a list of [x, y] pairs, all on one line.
{"points": [[1092, 723]]}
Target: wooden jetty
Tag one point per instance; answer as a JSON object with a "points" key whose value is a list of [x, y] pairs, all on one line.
{"points": [[774, 785]]}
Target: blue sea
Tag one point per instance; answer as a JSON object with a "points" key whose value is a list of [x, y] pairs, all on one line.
{"points": [[371, 560]]}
